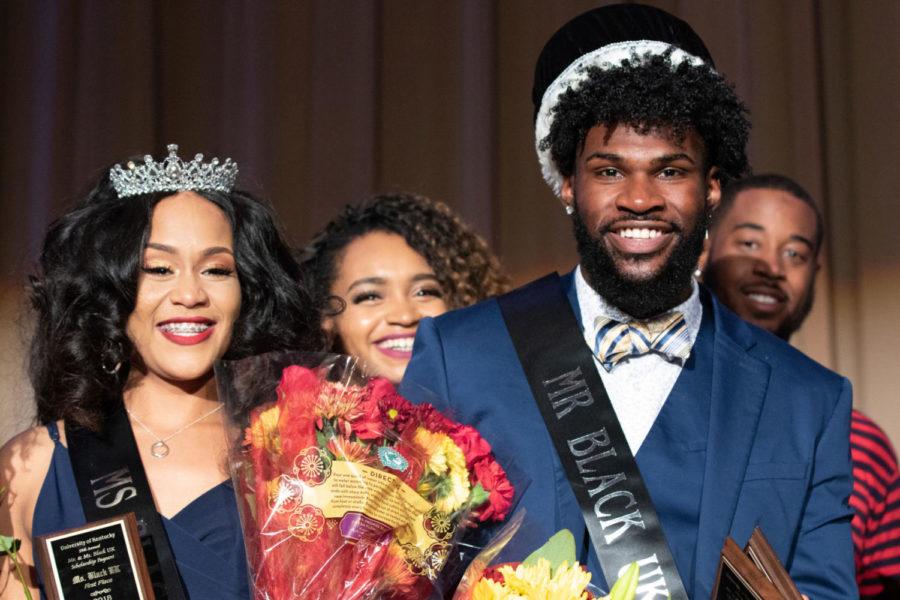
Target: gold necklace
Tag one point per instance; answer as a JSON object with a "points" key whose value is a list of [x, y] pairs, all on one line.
{"points": [[160, 449]]}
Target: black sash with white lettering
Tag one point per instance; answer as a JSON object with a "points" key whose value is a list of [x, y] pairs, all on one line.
{"points": [[111, 481], [620, 517]]}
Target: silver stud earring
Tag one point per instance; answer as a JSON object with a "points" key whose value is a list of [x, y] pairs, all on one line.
{"points": [[698, 273], [569, 209]]}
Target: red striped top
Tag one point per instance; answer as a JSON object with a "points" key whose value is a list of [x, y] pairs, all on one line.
{"points": [[876, 502]]}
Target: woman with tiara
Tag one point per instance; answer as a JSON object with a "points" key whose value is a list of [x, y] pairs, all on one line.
{"points": [[158, 272]]}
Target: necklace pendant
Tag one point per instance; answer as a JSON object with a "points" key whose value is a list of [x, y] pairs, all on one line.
{"points": [[159, 450]]}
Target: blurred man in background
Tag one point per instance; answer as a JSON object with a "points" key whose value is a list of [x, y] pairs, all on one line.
{"points": [[764, 253]]}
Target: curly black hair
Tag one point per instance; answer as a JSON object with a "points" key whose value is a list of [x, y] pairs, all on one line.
{"points": [[649, 93], [462, 262], [85, 288]]}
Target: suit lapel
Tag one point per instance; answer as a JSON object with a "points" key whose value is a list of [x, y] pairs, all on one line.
{"points": [[739, 385], [738, 391]]}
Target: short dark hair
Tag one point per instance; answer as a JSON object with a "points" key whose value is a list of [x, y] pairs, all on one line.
{"points": [[462, 262], [650, 93], [85, 288], [770, 181]]}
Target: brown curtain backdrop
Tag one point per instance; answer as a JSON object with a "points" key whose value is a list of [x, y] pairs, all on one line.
{"points": [[323, 102]]}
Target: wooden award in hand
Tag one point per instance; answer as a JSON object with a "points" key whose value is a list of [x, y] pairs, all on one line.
{"points": [[102, 560], [754, 573]]}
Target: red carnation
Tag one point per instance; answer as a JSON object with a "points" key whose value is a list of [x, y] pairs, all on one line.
{"points": [[493, 479], [471, 443], [432, 420], [381, 388], [369, 425], [384, 410]]}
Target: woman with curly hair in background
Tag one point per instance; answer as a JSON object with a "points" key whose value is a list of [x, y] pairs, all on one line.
{"points": [[162, 269], [382, 265]]}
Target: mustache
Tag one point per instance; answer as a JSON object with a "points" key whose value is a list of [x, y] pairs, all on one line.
{"points": [[764, 283], [649, 297]]}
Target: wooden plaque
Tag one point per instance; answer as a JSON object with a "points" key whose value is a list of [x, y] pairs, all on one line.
{"points": [[762, 554], [754, 573], [102, 560]]}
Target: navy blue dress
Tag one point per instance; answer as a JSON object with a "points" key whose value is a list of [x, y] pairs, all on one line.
{"points": [[205, 535]]}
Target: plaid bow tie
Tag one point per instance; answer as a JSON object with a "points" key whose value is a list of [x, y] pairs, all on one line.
{"points": [[666, 335]]}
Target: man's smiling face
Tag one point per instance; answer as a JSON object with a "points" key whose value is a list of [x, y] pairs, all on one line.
{"points": [[763, 259], [642, 202]]}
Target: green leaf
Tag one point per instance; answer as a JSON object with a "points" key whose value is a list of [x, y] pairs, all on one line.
{"points": [[559, 549], [8, 545], [626, 587], [478, 495]]}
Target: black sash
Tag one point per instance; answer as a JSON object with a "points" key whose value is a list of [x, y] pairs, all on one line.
{"points": [[111, 481], [620, 517]]}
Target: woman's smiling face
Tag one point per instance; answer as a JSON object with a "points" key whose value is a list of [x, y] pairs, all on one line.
{"points": [[387, 287], [188, 294]]}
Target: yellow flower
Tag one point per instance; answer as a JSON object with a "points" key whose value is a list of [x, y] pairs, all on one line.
{"points": [[263, 430], [448, 462], [535, 582], [488, 589], [432, 444], [455, 494]]}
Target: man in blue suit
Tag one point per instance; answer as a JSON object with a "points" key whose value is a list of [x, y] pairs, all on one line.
{"points": [[730, 427]]}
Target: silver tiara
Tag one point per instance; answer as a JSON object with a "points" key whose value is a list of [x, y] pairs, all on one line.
{"points": [[173, 175]]}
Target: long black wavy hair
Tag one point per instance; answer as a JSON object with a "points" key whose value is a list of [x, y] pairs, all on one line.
{"points": [[85, 288], [649, 93]]}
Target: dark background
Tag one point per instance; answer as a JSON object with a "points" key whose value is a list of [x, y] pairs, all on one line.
{"points": [[322, 102]]}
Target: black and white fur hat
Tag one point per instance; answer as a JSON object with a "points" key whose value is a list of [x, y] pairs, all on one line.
{"points": [[603, 37]]}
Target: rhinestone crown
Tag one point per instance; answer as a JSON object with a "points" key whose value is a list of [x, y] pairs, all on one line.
{"points": [[173, 175]]}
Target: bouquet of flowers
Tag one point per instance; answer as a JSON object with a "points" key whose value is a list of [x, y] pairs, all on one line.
{"points": [[551, 571], [346, 489]]}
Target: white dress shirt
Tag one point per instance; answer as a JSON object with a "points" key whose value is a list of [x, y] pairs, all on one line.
{"points": [[638, 387]]}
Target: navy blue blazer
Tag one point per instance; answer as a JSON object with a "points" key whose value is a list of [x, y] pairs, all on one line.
{"points": [[753, 433]]}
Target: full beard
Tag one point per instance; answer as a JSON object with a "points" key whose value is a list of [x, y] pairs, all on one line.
{"points": [[640, 298]]}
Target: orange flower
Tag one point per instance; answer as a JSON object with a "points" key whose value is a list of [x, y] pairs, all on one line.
{"points": [[346, 449], [336, 401], [395, 571]]}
